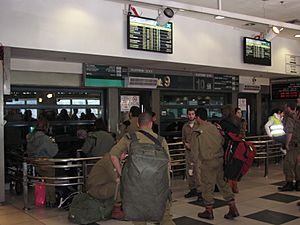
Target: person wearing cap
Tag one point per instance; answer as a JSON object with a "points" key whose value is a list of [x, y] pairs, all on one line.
{"points": [[130, 125]]}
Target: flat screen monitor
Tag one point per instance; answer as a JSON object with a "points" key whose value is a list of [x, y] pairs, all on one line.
{"points": [[145, 34], [257, 51]]}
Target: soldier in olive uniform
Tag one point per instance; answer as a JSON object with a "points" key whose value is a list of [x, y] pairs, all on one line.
{"points": [[145, 124], [291, 164], [130, 125], [187, 130], [207, 146], [40, 145]]}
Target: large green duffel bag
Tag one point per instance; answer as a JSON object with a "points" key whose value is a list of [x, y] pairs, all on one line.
{"points": [[86, 209]]}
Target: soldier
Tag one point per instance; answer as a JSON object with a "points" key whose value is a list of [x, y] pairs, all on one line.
{"points": [[131, 124], [193, 181], [145, 124], [207, 146], [291, 164], [102, 183]]}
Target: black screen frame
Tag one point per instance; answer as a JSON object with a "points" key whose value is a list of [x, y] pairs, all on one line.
{"points": [[128, 35], [256, 61]]}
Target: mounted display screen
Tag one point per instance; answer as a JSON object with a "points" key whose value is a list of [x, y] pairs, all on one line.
{"points": [[145, 34], [285, 88], [257, 51]]}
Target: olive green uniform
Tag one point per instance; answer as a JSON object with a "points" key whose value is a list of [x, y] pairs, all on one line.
{"points": [[194, 180], [290, 168], [101, 182], [123, 146], [39, 145], [98, 143], [207, 146], [132, 127]]}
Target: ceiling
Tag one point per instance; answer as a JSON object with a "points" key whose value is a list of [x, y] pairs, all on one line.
{"points": [[280, 11]]}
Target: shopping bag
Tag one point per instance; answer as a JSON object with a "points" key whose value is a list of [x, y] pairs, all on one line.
{"points": [[40, 194]]}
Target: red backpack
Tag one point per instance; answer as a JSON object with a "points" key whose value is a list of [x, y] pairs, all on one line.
{"points": [[238, 156]]}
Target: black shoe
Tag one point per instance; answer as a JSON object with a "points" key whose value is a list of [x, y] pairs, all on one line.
{"points": [[297, 185], [287, 187], [199, 199], [192, 193]]}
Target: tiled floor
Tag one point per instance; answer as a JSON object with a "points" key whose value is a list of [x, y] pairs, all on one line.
{"points": [[259, 202]]}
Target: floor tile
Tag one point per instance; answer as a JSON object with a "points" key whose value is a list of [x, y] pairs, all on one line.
{"points": [[281, 197], [188, 221], [272, 217], [218, 203], [280, 183]]}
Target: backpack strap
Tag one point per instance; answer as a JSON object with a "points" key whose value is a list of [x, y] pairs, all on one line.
{"points": [[132, 136], [157, 141]]}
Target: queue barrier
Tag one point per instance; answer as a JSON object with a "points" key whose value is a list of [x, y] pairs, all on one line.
{"points": [[79, 168]]}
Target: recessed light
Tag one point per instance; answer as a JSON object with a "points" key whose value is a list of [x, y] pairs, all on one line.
{"points": [[181, 10], [297, 35], [219, 17]]}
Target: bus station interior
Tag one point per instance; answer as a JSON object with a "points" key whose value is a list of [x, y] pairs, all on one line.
{"points": [[50, 56]]}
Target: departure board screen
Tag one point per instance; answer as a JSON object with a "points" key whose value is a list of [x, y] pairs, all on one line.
{"points": [[285, 88], [257, 51], [145, 34]]}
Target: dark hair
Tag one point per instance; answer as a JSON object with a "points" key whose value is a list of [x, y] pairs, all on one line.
{"points": [[100, 124], [145, 118], [292, 105], [42, 125], [227, 111], [237, 109], [191, 109], [277, 110], [153, 114], [135, 111], [201, 113]]}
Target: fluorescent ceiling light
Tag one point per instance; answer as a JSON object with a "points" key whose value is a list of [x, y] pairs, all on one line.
{"points": [[219, 17], [297, 35]]}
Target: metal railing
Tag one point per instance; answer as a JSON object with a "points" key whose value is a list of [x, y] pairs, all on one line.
{"points": [[266, 149], [79, 168]]}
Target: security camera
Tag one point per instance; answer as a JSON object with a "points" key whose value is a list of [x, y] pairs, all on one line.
{"points": [[164, 16]]}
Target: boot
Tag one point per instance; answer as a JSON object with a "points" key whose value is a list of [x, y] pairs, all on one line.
{"points": [[207, 214], [192, 193], [199, 199], [117, 213], [297, 185], [287, 187], [298, 203], [233, 212]]}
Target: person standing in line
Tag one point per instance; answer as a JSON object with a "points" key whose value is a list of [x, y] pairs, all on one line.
{"points": [[207, 146], [155, 125], [40, 145], [274, 128], [130, 125], [194, 180], [99, 141], [145, 125], [231, 123], [292, 147]]}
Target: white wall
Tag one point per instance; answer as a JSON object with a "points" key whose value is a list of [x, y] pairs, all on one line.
{"points": [[99, 27]]}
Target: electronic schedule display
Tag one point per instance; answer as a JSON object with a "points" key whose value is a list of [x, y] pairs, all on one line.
{"points": [[145, 34], [257, 51]]}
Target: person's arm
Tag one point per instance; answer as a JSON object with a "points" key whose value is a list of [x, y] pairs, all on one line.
{"points": [[116, 152], [289, 127], [267, 127]]}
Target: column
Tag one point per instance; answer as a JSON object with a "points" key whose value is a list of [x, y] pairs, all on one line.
{"points": [[113, 107]]}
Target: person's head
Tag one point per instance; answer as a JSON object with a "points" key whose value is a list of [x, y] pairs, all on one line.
{"points": [[42, 125], [277, 112], [227, 111], [291, 106], [238, 112], [27, 114], [88, 111], [100, 124], [75, 111], [191, 114], [154, 117], [201, 115], [145, 120], [134, 111]]}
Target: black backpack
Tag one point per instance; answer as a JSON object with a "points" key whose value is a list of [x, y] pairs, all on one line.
{"points": [[145, 180]]}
